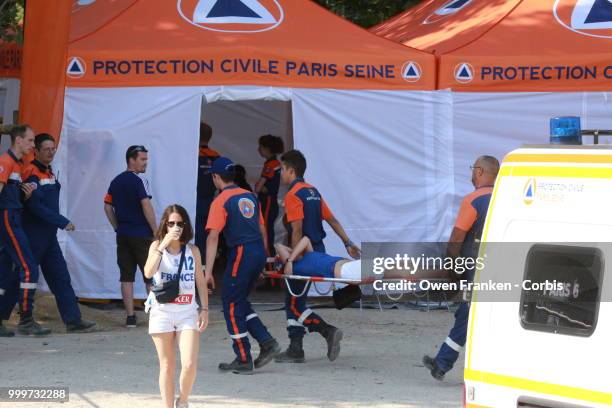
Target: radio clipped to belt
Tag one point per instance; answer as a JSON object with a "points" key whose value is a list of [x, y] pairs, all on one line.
{"points": [[166, 292]]}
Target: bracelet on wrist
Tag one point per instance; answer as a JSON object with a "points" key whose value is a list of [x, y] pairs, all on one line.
{"points": [[348, 243]]}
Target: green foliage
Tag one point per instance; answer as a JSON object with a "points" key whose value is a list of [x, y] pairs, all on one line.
{"points": [[367, 13], [11, 17]]}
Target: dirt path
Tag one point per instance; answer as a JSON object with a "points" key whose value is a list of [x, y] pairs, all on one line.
{"points": [[380, 364]]}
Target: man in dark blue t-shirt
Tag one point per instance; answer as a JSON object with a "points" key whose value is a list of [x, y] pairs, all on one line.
{"points": [[129, 210]]}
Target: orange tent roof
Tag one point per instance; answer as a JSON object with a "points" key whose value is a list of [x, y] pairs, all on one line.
{"points": [[440, 26], [542, 45], [292, 43], [515, 45]]}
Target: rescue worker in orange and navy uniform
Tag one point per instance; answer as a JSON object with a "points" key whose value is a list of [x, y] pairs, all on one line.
{"points": [[464, 242], [205, 189], [269, 183], [18, 267], [236, 213], [41, 219], [305, 211]]}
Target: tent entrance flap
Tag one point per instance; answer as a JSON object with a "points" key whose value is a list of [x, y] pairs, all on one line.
{"points": [[237, 126]]}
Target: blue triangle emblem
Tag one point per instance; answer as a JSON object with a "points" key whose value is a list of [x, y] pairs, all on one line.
{"points": [[600, 13], [464, 73], [75, 68], [231, 8], [529, 192], [232, 12]]}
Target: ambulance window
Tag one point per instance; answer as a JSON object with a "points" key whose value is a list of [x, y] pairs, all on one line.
{"points": [[562, 287]]}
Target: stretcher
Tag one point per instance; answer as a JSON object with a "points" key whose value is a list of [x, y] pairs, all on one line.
{"points": [[274, 268]]}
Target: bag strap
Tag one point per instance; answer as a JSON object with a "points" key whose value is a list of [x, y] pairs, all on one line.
{"points": [[183, 250]]}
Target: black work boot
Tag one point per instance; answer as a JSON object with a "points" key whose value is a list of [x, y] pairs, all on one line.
{"points": [[267, 351], [29, 327], [82, 326], [5, 332], [433, 368], [238, 367], [332, 336], [293, 354]]}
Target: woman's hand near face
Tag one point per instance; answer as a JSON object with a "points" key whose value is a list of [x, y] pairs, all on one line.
{"points": [[173, 234]]}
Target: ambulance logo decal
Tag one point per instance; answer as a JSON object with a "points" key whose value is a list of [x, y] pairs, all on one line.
{"points": [[529, 191], [448, 9], [76, 67], [411, 71], [464, 73], [592, 18], [247, 207], [234, 16]]}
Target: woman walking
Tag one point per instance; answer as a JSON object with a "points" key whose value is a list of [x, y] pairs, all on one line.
{"points": [[176, 321]]}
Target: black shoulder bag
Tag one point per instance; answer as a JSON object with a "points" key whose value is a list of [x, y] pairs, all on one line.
{"points": [[166, 292]]}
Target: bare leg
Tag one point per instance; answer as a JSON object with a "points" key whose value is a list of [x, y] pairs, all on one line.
{"points": [[165, 345], [127, 292], [189, 345]]}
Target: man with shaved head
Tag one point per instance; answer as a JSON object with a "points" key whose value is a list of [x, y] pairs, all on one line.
{"points": [[464, 242]]}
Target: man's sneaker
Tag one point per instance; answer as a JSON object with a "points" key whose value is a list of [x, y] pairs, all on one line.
{"points": [[293, 354], [238, 367], [178, 404], [31, 328], [5, 332], [333, 337], [130, 321], [433, 368], [82, 326], [267, 352]]}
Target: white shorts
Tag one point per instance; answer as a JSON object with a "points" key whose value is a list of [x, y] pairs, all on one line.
{"points": [[161, 321], [351, 270]]}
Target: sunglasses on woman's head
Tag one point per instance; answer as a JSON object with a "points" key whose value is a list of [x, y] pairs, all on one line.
{"points": [[179, 224]]}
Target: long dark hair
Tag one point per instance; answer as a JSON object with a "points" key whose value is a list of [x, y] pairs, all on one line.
{"points": [[162, 230]]}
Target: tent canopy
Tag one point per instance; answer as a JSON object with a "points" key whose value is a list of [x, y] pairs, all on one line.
{"points": [[293, 43], [440, 26], [526, 45]]}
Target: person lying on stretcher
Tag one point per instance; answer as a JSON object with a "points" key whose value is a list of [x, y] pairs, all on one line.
{"points": [[304, 261]]}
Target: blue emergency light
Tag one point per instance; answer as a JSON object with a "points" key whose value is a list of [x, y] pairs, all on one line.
{"points": [[565, 130]]}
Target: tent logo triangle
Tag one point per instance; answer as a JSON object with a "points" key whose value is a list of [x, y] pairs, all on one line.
{"points": [[232, 15], [464, 73], [448, 9], [75, 68], [592, 18], [411, 71], [529, 191]]}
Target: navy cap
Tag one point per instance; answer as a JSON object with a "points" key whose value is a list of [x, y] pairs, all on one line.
{"points": [[222, 166]]}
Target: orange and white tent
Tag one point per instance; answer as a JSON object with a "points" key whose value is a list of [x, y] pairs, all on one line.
{"points": [[361, 108], [511, 65]]}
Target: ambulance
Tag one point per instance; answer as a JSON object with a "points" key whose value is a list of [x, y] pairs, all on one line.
{"points": [[551, 213]]}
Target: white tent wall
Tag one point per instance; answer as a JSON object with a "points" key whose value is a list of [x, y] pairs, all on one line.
{"points": [[497, 123], [99, 125], [374, 155], [9, 103], [376, 159]]}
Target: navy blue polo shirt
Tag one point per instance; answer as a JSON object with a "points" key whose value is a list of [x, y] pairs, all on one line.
{"points": [[125, 194]]}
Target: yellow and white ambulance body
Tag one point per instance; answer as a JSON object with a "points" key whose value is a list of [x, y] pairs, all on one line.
{"points": [[552, 352]]}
